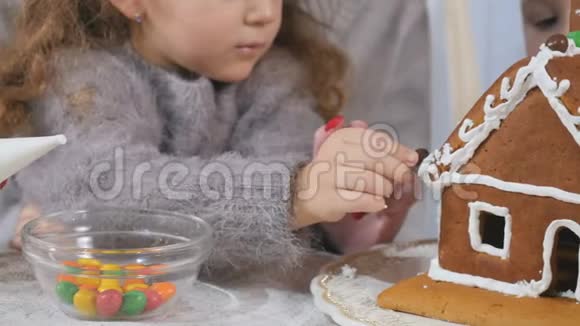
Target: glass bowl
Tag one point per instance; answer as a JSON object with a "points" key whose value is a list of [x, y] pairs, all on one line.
{"points": [[116, 263]]}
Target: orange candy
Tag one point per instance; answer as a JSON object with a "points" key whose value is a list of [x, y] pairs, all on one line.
{"points": [[71, 264], [165, 289], [134, 267], [157, 269], [67, 278], [88, 287]]}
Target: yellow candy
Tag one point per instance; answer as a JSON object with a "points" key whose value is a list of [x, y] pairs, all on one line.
{"points": [[134, 267], [85, 301], [92, 281], [107, 284], [111, 251], [134, 281], [110, 267], [89, 262], [131, 287]]}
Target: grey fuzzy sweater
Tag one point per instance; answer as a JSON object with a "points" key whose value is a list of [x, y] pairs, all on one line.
{"points": [[140, 136]]}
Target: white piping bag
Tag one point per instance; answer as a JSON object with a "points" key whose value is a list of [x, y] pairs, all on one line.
{"points": [[18, 153]]}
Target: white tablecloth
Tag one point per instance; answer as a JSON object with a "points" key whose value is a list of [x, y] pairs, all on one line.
{"points": [[256, 299]]}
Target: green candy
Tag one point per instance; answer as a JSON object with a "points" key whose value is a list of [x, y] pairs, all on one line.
{"points": [[113, 273], [72, 270], [134, 303], [66, 291], [575, 36]]}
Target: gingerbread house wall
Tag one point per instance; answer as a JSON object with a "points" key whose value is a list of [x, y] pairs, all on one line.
{"points": [[530, 216], [531, 147]]}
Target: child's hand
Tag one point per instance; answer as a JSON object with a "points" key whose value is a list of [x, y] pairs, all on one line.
{"points": [[352, 234], [346, 178], [27, 214]]}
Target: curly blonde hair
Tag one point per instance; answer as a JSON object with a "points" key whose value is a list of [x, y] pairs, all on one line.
{"points": [[44, 26]]}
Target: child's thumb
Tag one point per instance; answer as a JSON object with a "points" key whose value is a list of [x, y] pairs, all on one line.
{"points": [[322, 134]]}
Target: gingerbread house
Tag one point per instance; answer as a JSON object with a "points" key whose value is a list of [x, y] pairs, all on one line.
{"points": [[508, 180]]}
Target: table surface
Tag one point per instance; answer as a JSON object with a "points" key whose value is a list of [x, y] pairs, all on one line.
{"points": [[255, 298]]}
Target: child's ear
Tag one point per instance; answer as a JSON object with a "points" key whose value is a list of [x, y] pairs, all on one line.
{"points": [[132, 9]]}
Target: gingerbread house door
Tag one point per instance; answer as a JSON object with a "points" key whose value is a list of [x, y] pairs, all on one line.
{"points": [[562, 259]]}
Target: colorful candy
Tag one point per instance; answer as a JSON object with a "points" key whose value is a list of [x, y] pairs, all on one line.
{"points": [[133, 281], [111, 269], [88, 280], [107, 284], [154, 300], [134, 303], [132, 287], [85, 300], [66, 278], [94, 289], [575, 36], [558, 42], [66, 291], [156, 269], [134, 267], [72, 267], [109, 303], [165, 289], [89, 262]]}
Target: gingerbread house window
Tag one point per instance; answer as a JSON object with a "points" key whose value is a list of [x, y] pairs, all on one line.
{"points": [[490, 229]]}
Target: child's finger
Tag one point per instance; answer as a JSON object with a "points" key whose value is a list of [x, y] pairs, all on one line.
{"points": [[406, 155], [366, 182], [359, 124], [389, 167], [360, 202], [322, 134]]}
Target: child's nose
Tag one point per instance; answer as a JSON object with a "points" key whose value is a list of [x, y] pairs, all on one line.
{"points": [[261, 12]]}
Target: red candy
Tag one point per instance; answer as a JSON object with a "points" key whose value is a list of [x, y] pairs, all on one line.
{"points": [[3, 184], [154, 299], [109, 303]]}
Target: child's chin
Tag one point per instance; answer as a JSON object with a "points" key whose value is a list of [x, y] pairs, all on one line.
{"points": [[233, 75]]}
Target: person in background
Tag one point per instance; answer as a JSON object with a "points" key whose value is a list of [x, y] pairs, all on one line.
{"points": [[542, 19], [8, 11], [388, 44]]}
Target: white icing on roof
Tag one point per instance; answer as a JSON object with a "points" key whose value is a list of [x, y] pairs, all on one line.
{"points": [[534, 75]]}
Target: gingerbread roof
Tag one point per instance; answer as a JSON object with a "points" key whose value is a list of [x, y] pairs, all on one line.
{"points": [[541, 73]]}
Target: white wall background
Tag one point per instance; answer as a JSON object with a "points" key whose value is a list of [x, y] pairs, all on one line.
{"points": [[498, 33], [499, 42]]}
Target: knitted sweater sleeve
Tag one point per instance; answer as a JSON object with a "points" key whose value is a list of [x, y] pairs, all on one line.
{"points": [[111, 119]]}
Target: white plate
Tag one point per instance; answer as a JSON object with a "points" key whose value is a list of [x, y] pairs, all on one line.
{"points": [[347, 289]]}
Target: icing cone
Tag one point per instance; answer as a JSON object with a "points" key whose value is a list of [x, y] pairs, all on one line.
{"points": [[17, 153]]}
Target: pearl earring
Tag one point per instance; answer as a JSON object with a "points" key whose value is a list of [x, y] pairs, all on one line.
{"points": [[139, 18]]}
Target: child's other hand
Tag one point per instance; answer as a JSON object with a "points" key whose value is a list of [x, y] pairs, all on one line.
{"points": [[346, 177], [27, 214], [352, 234]]}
